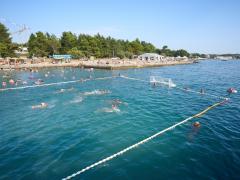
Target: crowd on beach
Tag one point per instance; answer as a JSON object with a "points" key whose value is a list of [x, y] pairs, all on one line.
{"points": [[19, 63]]}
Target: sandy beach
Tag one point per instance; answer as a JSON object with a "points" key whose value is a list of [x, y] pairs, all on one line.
{"points": [[108, 64]]}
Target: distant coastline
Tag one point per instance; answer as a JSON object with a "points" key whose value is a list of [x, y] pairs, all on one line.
{"points": [[107, 64]]}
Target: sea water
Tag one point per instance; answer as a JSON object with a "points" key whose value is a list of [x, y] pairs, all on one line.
{"points": [[79, 127]]}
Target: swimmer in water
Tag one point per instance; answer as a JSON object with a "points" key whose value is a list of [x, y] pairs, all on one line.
{"points": [[226, 100], [11, 81], [61, 90], [31, 77], [39, 82], [40, 106], [64, 90], [202, 91], [117, 102], [81, 80], [97, 92], [196, 124], [4, 84], [115, 108]]}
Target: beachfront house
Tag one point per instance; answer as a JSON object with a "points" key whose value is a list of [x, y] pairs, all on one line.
{"points": [[151, 56], [21, 52]]}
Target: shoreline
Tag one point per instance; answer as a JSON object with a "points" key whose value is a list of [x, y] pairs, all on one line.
{"points": [[96, 64]]}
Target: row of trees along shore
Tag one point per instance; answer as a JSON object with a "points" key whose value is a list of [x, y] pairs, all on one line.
{"points": [[83, 46], [44, 44]]}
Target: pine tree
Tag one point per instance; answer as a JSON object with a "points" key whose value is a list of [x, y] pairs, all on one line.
{"points": [[6, 46]]}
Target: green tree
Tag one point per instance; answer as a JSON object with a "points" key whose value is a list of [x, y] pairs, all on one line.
{"points": [[148, 47], [41, 44], [6, 46], [53, 45], [136, 47], [68, 41], [84, 44], [164, 47], [38, 45], [76, 54], [158, 51], [166, 52], [182, 53]]}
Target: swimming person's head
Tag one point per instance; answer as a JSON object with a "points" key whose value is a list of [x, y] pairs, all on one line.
{"points": [[43, 104], [196, 124]]}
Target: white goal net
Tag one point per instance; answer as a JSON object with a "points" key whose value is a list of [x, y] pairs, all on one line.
{"points": [[162, 81]]}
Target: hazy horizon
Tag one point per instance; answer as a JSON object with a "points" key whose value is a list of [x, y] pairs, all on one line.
{"points": [[209, 27]]}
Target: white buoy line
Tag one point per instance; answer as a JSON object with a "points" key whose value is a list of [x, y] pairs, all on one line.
{"points": [[102, 78], [141, 142], [55, 83], [177, 87]]}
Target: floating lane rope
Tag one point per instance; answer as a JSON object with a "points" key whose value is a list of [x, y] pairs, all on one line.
{"points": [[188, 90], [210, 107], [207, 94], [56, 83], [125, 77], [142, 142], [103, 78]]}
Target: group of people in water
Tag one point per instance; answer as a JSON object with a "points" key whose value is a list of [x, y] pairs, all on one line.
{"points": [[114, 104], [202, 91], [13, 83]]}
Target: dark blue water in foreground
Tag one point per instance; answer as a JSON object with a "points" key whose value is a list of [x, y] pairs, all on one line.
{"points": [[77, 130]]}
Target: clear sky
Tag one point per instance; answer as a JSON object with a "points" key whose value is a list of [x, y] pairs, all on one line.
{"points": [[205, 26]]}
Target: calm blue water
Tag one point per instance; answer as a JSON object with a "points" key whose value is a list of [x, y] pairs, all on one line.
{"points": [[77, 130]]}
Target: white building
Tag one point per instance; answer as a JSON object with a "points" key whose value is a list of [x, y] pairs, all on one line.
{"points": [[224, 57], [21, 52], [150, 56]]}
